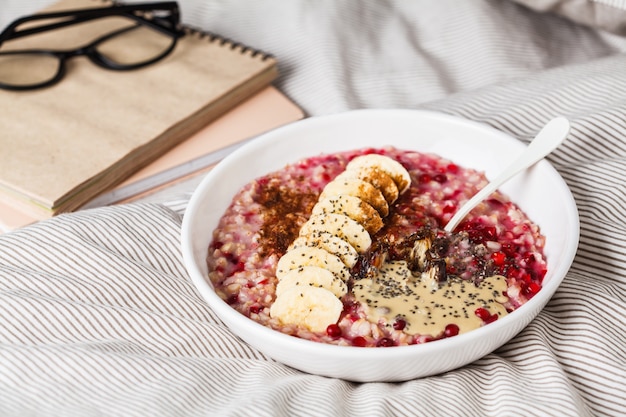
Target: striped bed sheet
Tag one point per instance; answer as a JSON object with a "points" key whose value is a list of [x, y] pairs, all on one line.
{"points": [[98, 316]]}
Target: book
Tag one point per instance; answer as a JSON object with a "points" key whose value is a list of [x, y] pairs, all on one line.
{"points": [[64, 145], [262, 112]]}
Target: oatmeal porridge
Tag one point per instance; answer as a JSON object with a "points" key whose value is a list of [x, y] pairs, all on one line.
{"points": [[364, 244]]}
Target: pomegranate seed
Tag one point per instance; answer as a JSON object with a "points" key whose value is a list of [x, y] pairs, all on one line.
{"points": [[385, 342], [399, 324], [239, 267], [509, 249], [449, 208], [498, 258], [483, 313], [359, 341], [451, 330], [490, 233], [232, 299], [453, 168], [256, 309], [440, 178], [529, 258], [333, 330], [491, 318], [494, 203], [424, 178], [530, 289]]}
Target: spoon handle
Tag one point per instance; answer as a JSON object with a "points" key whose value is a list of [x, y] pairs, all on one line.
{"points": [[547, 140]]}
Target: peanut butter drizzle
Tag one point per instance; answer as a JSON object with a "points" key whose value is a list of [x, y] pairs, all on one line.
{"points": [[426, 306]]}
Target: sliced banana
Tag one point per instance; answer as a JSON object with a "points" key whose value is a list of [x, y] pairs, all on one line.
{"points": [[357, 188], [312, 276], [377, 177], [313, 273], [311, 256], [353, 207], [331, 243], [341, 226], [313, 307], [396, 171]]}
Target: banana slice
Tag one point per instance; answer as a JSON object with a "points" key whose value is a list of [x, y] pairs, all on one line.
{"points": [[377, 177], [357, 188], [396, 171], [310, 256], [353, 207], [312, 276], [341, 226], [313, 307], [331, 243]]}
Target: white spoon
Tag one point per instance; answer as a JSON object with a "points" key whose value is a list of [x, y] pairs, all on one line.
{"points": [[551, 136]]}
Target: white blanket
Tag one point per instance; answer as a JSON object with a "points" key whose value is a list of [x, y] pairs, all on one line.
{"points": [[98, 316]]}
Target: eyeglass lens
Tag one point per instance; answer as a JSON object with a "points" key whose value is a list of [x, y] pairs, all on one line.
{"points": [[115, 43], [135, 46], [26, 69]]}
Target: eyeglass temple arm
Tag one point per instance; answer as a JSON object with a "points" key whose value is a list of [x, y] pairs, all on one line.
{"points": [[80, 16]]}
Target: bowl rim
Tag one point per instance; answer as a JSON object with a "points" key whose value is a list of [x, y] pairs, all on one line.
{"points": [[232, 317]]}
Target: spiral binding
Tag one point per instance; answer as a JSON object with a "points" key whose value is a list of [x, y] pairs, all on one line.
{"points": [[212, 37], [223, 41]]}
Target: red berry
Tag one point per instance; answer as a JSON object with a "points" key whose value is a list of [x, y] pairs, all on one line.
{"points": [[530, 289], [385, 342], [534, 287], [482, 313], [359, 341], [451, 330], [453, 168], [399, 324], [440, 178], [333, 330], [529, 258], [491, 318], [449, 207], [424, 178], [498, 258]]}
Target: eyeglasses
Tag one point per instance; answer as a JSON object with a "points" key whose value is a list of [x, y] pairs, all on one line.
{"points": [[140, 35]]}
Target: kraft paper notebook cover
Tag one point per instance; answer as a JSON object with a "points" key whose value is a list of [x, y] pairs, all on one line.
{"points": [[262, 112], [63, 145]]}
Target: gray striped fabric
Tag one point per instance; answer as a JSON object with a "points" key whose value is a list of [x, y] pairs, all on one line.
{"points": [[99, 318]]}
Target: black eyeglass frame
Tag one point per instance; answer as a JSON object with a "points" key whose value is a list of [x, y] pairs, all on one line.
{"points": [[145, 14]]}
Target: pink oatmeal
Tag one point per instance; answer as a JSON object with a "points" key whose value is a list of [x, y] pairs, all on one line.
{"points": [[496, 239]]}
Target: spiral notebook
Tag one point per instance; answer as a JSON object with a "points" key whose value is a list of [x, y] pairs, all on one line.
{"points": [[64, 145], [192, 158]]}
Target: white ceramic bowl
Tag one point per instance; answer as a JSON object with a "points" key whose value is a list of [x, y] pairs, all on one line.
{"points": [[540, 192]]}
